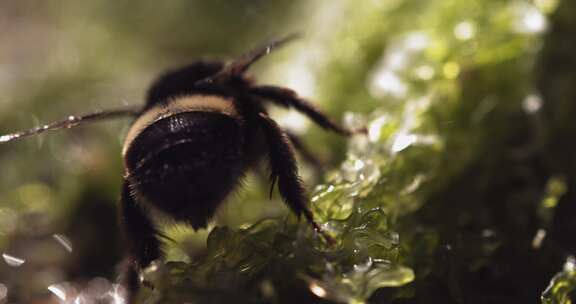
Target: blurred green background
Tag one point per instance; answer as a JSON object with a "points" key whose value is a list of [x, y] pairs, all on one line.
{"points": [[462, 192]]}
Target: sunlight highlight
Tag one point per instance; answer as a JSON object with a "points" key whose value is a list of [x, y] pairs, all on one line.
{"points": [[12, 260], [465, 30]]}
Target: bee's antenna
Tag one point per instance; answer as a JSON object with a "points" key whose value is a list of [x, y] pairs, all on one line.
{"points": [[243, 63], [72, 121]]}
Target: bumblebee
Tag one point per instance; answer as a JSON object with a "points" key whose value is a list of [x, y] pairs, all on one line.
{"points": [[201, 128]]}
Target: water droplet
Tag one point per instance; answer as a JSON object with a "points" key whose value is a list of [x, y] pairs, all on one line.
{"points": [[358, 164], [64, 241], [396, 59], [348, 172], [403, 141], [370, 173], [394, 238], [72, 120], [363, 267], [487, 233], [375, 128], [3, 291], [354, 121], [387, 83], [555, 189], [318, 290], [58, 290], [12, 260], [333, 227], [570, 264], [359, 146], [538, 238], [424, 72], [151, 273], [9, 137], [417, 41], [530, 20], [532, 103], [465, 30]]}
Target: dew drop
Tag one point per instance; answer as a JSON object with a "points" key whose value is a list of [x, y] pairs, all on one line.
{"points": [[538, 238], [72, 120], [424, 72], [363, 267], [64, 241], [58, 290], [12, 260], [387, 83], [318, 290], [465, 30], [403, 141], [531, 21], [394, 238], [396, 60], [488, 233], [375, 128], [417, 41], [532, 103], [9, 137], [354, 121], [570, 264]]}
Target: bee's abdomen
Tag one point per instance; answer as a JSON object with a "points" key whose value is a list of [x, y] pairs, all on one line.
{"points": [[188, 162], [184, 141]]}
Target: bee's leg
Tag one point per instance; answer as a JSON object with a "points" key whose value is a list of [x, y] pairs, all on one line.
{"points": [[285, 172], [289, 99], [142, 240]]}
